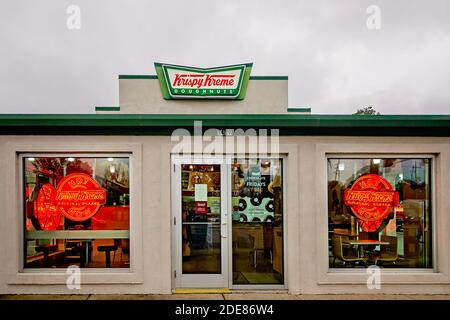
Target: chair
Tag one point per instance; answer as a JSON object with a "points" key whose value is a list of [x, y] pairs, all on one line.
{"points": [[123, 245], [388, 252], [338, 253], [46, 249]]}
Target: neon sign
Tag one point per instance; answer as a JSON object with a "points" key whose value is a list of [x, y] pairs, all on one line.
{"points": [[371, 199], [77, 197], [47, 212]]}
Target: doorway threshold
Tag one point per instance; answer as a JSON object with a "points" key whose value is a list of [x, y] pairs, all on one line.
{"points": [[226, 290]]}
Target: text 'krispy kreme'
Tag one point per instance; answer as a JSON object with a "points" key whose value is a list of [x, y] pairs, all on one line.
{"points": [[369, 198], [82, 195], [203, 80]]}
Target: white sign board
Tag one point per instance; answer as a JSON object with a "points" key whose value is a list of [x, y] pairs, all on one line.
{"points": [[201, 192]]}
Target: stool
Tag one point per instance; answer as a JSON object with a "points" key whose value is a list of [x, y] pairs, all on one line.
{"points": [[46, 249], [107, 250]]}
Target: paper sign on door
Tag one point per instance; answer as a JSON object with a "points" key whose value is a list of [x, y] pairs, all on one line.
{"points": [[201, 207], [201, 192]]}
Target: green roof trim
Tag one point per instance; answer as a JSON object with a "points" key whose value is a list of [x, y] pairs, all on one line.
{"points": [[164, 124], [160, 64], [102, 108], [269, 78], [299, 109], [137, 76]]}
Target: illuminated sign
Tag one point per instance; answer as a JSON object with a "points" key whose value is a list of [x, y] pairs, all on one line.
{"points": [[78, 197], [47, 212], [371, 198], [180, 82]]}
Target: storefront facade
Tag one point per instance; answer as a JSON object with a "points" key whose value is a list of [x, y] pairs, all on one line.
{"points": [[164, 194]]}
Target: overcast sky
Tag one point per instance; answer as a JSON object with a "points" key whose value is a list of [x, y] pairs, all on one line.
{"points": [[335, 63]]}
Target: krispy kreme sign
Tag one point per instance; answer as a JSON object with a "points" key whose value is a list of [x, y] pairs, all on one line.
{"points": [[371, 198], [77, 197], [181, 82]]}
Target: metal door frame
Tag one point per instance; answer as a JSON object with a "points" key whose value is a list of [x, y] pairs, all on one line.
{"points": [[199, 280], [226, 218]]}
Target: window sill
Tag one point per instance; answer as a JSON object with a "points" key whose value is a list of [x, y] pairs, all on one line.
{"points": [[97, 276], [398, 276]]}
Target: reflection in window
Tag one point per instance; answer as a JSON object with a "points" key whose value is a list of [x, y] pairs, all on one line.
{"points": [[257, 221], [76, 212], [379, 212]]}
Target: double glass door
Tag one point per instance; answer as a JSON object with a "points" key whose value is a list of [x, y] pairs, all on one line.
{"points": [[227, 222]]}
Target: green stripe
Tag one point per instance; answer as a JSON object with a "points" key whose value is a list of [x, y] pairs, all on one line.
{"points": [[107, 108], [134, 76], [164, 124], [268, 77], [299, 109]]}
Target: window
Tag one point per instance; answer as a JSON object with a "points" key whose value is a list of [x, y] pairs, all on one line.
{"points": [[76, 211], [257, 215], [379, 212]]}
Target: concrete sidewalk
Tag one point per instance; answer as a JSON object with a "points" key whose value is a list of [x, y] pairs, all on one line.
{"points": [[228, 296]]}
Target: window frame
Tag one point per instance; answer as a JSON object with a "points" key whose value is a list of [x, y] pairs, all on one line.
{"points": [[17, 273], [21, 158], [432, 200], [439, 155]]}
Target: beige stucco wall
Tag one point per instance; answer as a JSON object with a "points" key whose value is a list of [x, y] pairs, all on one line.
{"points": [[144, 96], [305, 215]]}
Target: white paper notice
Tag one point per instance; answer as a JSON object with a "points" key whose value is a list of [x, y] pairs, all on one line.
{"points": [[201, 192]]}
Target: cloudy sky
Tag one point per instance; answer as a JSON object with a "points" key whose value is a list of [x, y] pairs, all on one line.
{"points": [[335, 63]]}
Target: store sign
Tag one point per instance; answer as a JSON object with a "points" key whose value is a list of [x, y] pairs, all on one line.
{"points": [[371, 198], [180, 82], [78, 197]]}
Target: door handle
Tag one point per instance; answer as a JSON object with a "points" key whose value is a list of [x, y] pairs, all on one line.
{"points": [[222, 233]]}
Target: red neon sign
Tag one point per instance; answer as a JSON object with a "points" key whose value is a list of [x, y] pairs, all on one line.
{"points": [[79, 197], [47, 212], [371, 198]]}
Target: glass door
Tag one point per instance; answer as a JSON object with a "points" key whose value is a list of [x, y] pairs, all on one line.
{"points": [[257, 222], [200, 222]]}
